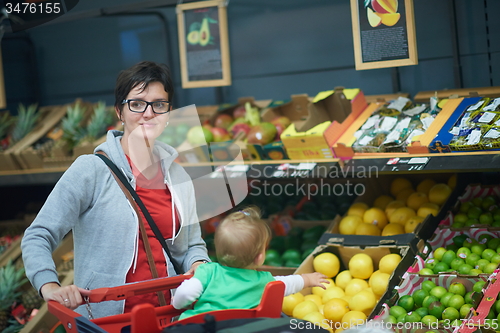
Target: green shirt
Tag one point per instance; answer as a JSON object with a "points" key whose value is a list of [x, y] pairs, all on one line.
{"points": [[228, 288]]}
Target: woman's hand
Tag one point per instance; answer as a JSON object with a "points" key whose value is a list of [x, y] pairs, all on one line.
{"points": [[194, 266], [69, 296]]}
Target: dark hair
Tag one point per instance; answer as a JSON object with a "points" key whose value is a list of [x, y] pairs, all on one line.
{"points": [[144, 72]]}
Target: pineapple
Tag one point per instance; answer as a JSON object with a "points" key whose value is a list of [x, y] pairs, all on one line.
{"points": [[26, 119], [73, 132], [99, 122], [31, 300], [11, 279], [5, 123]]}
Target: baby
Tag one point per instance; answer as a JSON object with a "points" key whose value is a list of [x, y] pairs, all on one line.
{"points": [[240, 240]]}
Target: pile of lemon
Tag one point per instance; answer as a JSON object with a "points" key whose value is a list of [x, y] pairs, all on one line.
{"points": [[398, 213], [350, 296]]}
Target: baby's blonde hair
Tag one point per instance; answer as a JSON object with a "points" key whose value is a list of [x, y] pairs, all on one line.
{"points": [[241, 237]]}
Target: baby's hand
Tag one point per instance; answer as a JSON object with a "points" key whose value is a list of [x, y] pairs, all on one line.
{"points": [[315, 280]]}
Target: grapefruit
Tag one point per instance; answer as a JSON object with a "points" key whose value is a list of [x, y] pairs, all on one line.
{"points": [[403, 195], [353, 318], [392, 206], [361, 266], [327, 263], [399, 184], [416, 199], [303, 308], [452, 181], [358, 209], [378, 283], [335, 309], [363, 301], [401, 215], [375, 216], [367, 229], [425, 185], [330, 293], [290, 301], [343, 278], [428, 208], [393, 229], [439, 193], [348, 224], [412, 223], [355, 286], [389, 262], [382, 201]]}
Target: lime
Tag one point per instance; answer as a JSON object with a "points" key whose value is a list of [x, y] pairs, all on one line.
{"points": [[478, 248], [425, 271], [438, 253], [488, 254], [412, 317], [465, 206], [472, 259], [460, 218], [291, 254], [272, 255], [427, 285], [460, 239], [486, 218], [431, 263], [463, 252], [481, 264], [453, 247], [492, 323], [468, 297], [475, 272], [422, 311], [391, 319], [495, 259], [464, 269], [458, 225], [496, 306], [445, 298], [456, 301], [478, 286], [419, 295], [474, 212], [407, 302], [490, 268], [491, 314], [493, 243], [430, 321], [448, 257], [471, 222], [457, 262], [440, 267], [465, 310], [450, 313], [397, 311], [438, 291], [457, 288], [401, 319], [436, 309], [469, 242], [429, 300]]}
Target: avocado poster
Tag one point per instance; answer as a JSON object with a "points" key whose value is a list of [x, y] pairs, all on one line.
{"points": [[384, 33], [203, 44]]}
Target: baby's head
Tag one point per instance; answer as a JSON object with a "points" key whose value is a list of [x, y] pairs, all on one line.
{"points": [[241, 237]]}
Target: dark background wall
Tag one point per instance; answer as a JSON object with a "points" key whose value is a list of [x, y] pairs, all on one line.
{"points": [[277, 48]]}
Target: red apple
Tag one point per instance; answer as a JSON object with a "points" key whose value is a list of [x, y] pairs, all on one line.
{"points": [[239, 112], [282, 120], [241, 127], [223, 121], [262, 134], [220, 134]]}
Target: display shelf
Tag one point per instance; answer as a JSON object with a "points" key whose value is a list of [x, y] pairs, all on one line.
{"points": [[480, 161]]}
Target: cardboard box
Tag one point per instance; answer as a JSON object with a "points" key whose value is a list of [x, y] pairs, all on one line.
{"points": [[309, 145]]}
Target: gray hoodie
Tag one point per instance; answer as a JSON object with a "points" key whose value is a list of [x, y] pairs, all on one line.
{"points": [[88, 200]]}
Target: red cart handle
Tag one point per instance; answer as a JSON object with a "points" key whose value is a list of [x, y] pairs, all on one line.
{"points": [[133, 289]]}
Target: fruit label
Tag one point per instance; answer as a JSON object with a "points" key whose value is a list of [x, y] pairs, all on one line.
{"points": [[487, 117], [474, 137], [492, 134], [475, 106], [430, 261], [462, 255], [468, 240], [493, 105], [483, 241]]}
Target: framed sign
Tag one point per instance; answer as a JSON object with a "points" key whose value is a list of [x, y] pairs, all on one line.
{"points": [[384, 33], [203, 44]]}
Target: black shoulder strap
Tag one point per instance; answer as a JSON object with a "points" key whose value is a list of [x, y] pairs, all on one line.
{"points": [[143, 208]]}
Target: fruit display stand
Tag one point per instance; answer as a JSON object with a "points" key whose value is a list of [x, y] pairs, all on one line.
{"points": [[423, 96]]}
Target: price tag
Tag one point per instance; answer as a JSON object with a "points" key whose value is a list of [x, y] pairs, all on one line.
{"points": [[406, 164]]}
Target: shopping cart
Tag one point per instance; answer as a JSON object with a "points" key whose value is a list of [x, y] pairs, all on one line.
{"points": [[145, 318]]}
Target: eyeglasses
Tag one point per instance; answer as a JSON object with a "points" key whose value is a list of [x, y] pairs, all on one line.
{"points": [[140, 106]]}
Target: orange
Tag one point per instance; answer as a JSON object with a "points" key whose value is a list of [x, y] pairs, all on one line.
{"points": [[348, 224], [439, 193], [392, 206], [353, 318], [428, 208], [290, 301], [335, 292], [303, 308], [382, 201], [335, 309], [393, 229], [389, 262], [416, 199], [357, 208], [399, 184], [375, 216], [343, 278], [361, 266], [367, 229], [355, 286], [363, 301], [326, 263], [404, 194], [401, 215], [425, 185], [412, 223]]}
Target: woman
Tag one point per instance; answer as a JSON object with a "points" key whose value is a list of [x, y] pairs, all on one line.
{"points": [[108, 247]]}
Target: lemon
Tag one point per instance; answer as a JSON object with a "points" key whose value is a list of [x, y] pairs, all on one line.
{"points": [[401, 215], [290, 301], [392, 206], [304, 308], [416, 199], [412, 223], [327, 263], [389, 262], [348, 224], [404, 194], [367, 229], [428, 208], [361, 266]]}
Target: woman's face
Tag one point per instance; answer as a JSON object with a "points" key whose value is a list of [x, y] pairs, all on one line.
{"points": [[147, 125]]}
